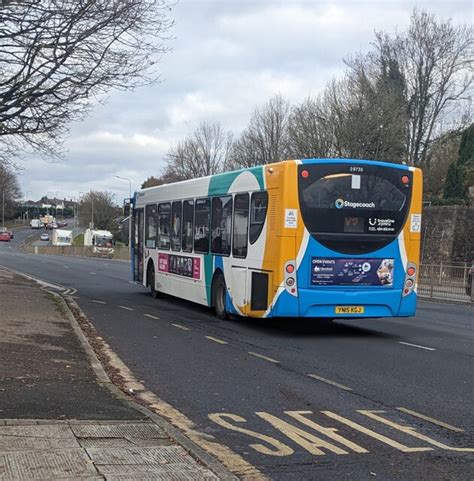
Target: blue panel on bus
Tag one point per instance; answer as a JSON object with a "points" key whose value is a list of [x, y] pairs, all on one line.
{"points": [[349, 272]]}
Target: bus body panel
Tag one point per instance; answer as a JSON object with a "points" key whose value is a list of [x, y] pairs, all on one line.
{"points": [[283, 239]]}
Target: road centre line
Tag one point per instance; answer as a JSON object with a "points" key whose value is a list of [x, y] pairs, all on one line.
{"points": [[215, 339], [261, 356], [328, 381], [98, 302], [126, 308], [179, 326], [417, 345], [151, 316], [431, 420]]}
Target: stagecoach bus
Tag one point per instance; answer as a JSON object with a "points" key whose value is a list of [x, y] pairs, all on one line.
{"points": [[321, 238]]}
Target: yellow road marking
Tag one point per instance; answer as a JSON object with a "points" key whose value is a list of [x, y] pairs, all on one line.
{"points": [[126, 308], [328, 381], [98, 302], [431, 420], [411, 431], [219, 341], [151, 316], [261, 356], [373, 434], [179, 326], [306, 440], [329, 432], [280, 449]]}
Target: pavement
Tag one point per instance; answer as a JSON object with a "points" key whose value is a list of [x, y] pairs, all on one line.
{"points": [[388, 399], [58, 420]]}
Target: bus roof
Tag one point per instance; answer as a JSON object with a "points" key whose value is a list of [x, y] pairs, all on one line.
{"points": [[257, 171]]}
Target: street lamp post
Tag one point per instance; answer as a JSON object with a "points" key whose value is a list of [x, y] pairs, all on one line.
{"points": [[129, 185]]}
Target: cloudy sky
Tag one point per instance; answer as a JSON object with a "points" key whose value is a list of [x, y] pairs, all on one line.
{"points": [[227, 57]]}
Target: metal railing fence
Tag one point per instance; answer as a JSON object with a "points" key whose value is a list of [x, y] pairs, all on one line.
{"points": [[444, 281]]}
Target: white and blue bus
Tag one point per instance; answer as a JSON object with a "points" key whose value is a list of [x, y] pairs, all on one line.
{"points": [[321, 238]]}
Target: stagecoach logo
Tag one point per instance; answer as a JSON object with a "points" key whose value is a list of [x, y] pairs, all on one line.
{"points": [[340, 203]]}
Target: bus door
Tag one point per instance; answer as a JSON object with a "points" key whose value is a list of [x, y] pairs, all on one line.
{"points": [[137, 244]]}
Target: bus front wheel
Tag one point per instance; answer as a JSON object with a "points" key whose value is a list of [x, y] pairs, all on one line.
{"points": [[219, 297], [151, 282]]}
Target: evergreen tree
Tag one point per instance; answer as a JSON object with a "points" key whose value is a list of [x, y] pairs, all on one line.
{"points": [[454, 186]]}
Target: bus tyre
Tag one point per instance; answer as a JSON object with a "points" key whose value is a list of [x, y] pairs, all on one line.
{"points": [[151, 282], [219, 297]]}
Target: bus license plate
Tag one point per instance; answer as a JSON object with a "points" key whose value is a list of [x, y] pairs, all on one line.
{"points": [[349, 309]]}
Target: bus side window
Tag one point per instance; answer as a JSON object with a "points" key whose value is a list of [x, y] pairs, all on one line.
{"points": [[258, 213], [201, 225], [188, 217], [241, 225], [151, 218], [221, 225], [164, 221], [176, 226]]}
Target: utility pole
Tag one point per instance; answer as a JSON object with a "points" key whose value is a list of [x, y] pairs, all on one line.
{"points": [[130, 200], [3, 205]]}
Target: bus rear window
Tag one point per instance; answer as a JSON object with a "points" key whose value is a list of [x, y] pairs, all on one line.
{"points": [[354, 208]]}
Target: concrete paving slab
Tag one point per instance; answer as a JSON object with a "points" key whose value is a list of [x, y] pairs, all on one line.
{"points": [[122, 443], [139, 430], [46, 465], [26, 437], [143, 457]]}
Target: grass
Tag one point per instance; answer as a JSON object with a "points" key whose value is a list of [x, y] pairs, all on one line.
{"points": [[78, 240]]}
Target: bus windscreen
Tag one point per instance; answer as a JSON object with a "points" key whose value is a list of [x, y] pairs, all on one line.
{"points": [[354, 208]]}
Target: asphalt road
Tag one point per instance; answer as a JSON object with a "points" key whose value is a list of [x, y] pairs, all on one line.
{"points": [[381, 399]]}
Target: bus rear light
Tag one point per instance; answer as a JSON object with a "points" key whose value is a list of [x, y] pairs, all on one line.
{"points": [[406, 291], [289, 272], [405, 179], [409, 283], [304, 174], [411, 271]]}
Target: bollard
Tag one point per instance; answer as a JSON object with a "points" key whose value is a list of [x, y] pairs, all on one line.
{"points": [[36, 249]]}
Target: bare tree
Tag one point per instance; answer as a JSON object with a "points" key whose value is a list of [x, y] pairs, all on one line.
{"points": [[205, 152], [369, 111], [309, 132], [265, 140], [436, 61], [9, 192], [59, 57], [99, 210]]}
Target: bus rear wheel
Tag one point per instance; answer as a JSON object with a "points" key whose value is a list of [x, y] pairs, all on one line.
{"points": [[151, 282], [219, 297]]}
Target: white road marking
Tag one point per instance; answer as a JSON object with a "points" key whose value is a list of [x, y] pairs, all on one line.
{"points": [[126, 308], [93, 273], [151, 316], [431, 420], [261, 356], [215, 339], [328, 381], [66, 267], [179, 326], [417, 345], [98, 302]]}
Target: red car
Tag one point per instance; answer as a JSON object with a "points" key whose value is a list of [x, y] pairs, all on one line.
{"points": [[5, 237]]}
